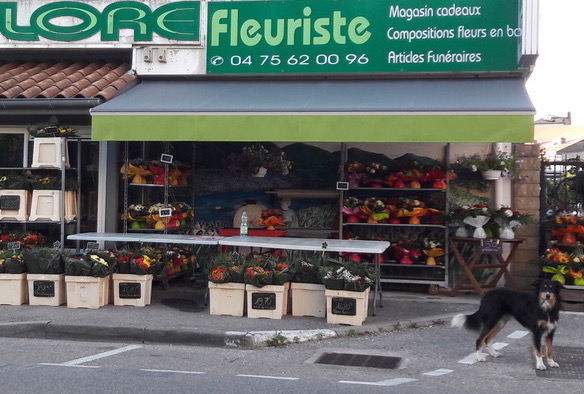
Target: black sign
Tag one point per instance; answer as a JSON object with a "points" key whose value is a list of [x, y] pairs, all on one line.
{"points": [[344, 306], [11, 203], [43, 288], [491, 246], [130, 290], [92, 246], [263, 300]]}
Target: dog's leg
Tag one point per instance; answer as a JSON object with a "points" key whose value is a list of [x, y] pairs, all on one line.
{"points": [[481, 343], [549, 350], [491, 336], [537, 350]]}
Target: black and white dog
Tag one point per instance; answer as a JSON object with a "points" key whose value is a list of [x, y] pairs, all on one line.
{"points": [[537, 312]]}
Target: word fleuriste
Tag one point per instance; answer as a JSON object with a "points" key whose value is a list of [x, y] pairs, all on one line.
{"points": [[228, 29]]}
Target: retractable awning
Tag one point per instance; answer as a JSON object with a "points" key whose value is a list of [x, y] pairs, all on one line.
{"points": [[432, 110]]}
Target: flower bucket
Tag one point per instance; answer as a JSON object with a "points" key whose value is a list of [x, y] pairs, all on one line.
{"points": [[308, 299], [46, 289], [227, 299], [132, 289], [13, 289], [346, 307], [269, 302], [87, 291], [507, 233]]}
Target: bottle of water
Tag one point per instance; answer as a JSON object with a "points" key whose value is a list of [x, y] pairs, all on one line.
{"points": [[243, 225]]}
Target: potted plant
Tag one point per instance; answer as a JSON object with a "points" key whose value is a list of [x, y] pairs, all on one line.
{"points": [[133, 280], [88, 277], [267, 279], [13, 284]]}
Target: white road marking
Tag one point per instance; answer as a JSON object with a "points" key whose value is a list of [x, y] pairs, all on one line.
{"points": [[266, 377], [517, 334], [390, 382], [101, 355], [74, 366], [438, 372], [499, 345], [470, 359], [173, 371]]}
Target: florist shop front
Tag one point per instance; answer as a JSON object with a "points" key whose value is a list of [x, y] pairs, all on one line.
{"points": [[368, 87]]}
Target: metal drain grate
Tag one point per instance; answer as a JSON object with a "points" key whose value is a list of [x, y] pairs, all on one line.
{"points": [[359, 360], [571, 360]]}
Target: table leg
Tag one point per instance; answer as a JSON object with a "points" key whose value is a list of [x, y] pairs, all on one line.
{"points": [[467, 271]]}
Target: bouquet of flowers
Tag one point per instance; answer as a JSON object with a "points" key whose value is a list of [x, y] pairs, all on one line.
{"points": [[306, 271], [271, 218], [502, 161], [563, 266], [98, 263], [11, 262], [177, 261], [136, 171], [226, 267], [258, 274]]}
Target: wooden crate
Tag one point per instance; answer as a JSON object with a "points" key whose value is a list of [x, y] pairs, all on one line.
{"points": [[573, 297]]}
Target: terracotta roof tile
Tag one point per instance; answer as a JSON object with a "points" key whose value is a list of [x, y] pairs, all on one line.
{"points": [[63, 79]]}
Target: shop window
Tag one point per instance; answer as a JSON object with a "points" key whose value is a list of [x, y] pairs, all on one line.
{"points": [[12, 149]]}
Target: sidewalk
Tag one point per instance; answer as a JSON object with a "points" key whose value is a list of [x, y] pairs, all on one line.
{"points": [[178, 315]]}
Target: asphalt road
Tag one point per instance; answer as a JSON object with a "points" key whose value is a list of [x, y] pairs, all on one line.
{"points": [[432, 359]]}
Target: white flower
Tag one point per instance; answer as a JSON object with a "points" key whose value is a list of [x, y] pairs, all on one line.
{"points": [[473, 168]]}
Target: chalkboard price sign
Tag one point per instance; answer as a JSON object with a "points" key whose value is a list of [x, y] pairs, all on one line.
{"points": [[344, 306], [43, 288], [263, 300], [10, 203], [491, 246], [130, 290]]}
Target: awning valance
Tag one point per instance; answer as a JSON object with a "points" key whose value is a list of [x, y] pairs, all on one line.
{"points": [[433, 110]]}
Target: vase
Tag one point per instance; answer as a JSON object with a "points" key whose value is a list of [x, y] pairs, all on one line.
{"points": [[260, 173], [491, 175], [462, 232], [506, 233]]}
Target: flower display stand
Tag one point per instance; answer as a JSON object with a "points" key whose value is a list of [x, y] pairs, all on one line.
{"points": [[227, 299], [46, 290], [87, 291], [14, 204], [46, 205], [308, 299], [13, 289], [347, 307], [47, 152], [269, 302], [132, 290]]}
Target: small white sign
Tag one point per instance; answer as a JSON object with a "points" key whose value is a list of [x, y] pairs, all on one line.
{"points": [[166, 158], [342, 185], [165, 212]]}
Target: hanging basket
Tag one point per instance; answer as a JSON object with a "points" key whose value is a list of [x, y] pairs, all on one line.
{"points": [[491, 175]]}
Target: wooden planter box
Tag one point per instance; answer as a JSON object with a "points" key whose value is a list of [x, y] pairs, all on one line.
{"points": [[308, 299], [14, 204], [227, 299], [46, 290], [87, 291], [347, 307], [573, 297], [132, 290], [270, 302], [13, 289]]}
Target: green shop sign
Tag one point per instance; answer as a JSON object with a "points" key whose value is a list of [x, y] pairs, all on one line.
{"points": [[175, 21], [363, 36]]}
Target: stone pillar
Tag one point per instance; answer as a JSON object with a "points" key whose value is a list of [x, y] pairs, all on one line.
{"points": [[526, 200]]}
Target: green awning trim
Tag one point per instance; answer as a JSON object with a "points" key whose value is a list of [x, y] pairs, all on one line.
{"points": [[432, 110], [314, 128]]}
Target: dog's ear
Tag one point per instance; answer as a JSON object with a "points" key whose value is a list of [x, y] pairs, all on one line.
{"points": [[559, 285], [537, 283]]}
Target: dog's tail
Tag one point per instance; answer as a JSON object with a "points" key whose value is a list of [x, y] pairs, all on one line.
{"points": [[470, 322]]}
